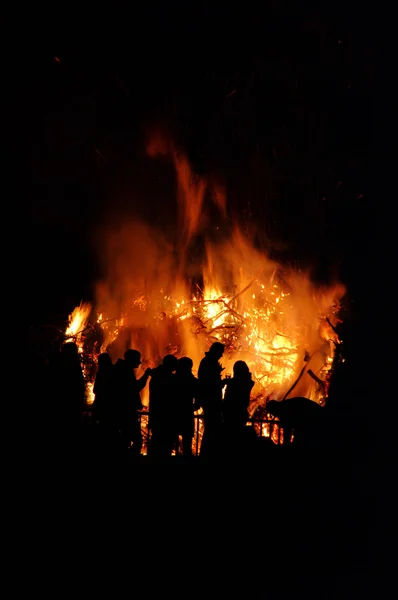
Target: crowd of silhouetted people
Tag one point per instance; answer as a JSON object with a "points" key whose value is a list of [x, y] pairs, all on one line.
{"points": [[175, 395], [118, 422]]}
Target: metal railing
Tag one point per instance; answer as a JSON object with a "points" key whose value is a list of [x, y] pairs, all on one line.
{"points": [[267, 428]]}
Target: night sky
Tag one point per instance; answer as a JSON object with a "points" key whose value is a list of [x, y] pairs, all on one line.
{"points": [[274, 104]]}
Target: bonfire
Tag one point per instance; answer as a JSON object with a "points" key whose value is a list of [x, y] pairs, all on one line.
{"points": [[154, 299]]}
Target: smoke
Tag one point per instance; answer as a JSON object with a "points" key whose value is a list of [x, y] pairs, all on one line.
{"points": [[190, 192]]}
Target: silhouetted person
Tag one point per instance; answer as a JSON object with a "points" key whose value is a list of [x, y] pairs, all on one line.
{"points": [[103, 387], [68, 390], [162, 408], [237, 396], [235, 405], [40, 386], [128, 389], [104, 407], [211, 385], [185, 404]]}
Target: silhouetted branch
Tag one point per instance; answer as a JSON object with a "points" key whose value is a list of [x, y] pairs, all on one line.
{"points": [[297, 380]]}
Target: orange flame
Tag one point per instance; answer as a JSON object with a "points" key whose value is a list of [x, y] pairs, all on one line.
{"points": [[78, 321]]}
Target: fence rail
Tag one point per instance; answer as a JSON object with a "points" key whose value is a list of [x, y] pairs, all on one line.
{"points": [[268, 428]]}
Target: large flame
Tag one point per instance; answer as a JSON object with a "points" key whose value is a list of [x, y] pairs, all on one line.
{"points": [[157, 300], [78, 320], [77, 324]]}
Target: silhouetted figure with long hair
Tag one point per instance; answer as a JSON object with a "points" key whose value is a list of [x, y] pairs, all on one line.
{"points": [[69, 391], [162, 408], [237, 396], [186, 403], [235, 407], [128, 389], [211, 385]]}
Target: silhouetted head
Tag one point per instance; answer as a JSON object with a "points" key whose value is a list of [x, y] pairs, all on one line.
{"points": [[241, 369], [274, 408], [185, 364], [132, 358], [216, 350], [70, 351], [104, 361], [170, 362]]}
